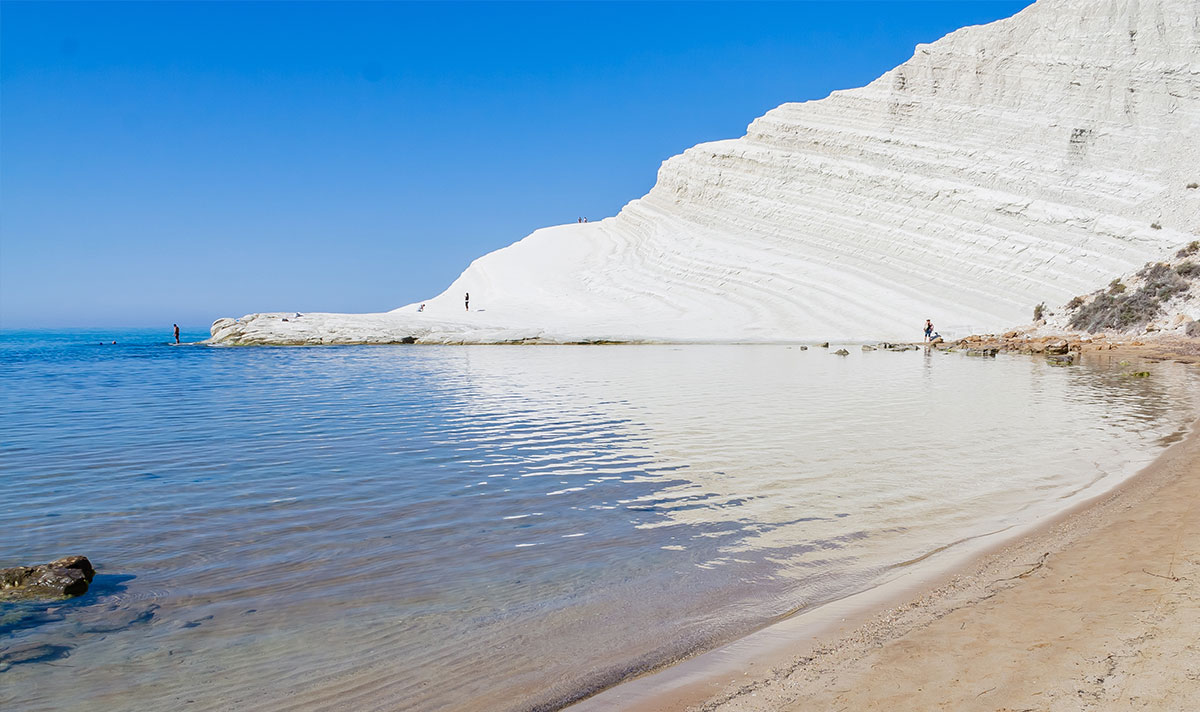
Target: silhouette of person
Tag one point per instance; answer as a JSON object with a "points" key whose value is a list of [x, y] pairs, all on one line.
{"points": [[176, 333], [467, 301]]}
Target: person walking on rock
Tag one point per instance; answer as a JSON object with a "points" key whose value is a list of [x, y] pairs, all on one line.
{"points": [[467, 301], [928, 329]]}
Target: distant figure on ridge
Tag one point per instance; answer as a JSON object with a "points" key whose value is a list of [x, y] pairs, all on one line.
{"points": [[421, 308], [467, 301], [176, 332], [928, 330]]}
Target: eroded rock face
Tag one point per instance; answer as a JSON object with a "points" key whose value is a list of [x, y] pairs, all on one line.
{"points": [[1019, 162], [68, 576]]}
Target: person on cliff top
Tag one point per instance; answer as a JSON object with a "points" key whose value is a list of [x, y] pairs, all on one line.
{"points": [[176, 332], [928, 329], [467, 301]]}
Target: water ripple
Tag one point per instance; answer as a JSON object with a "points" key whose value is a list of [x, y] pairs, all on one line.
{"points": [[468, 527]]}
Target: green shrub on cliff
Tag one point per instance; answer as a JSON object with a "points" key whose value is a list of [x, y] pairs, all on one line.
{"points": [[1187, 269]]}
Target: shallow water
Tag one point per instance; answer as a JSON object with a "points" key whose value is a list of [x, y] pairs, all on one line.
{"points": [[446, 528]]}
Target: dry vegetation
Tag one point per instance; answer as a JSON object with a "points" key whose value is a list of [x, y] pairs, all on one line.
{"points": [[1118, 309]]}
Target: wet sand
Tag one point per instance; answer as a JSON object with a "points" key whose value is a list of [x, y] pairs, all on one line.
{"points": [[1096, 609]]}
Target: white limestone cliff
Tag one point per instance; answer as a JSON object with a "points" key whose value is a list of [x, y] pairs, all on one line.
{"points": [[1028, 160]]}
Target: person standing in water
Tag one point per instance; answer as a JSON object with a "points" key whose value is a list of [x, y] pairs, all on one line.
{"points": [[928, 329], [467, 301], [176, 332]]}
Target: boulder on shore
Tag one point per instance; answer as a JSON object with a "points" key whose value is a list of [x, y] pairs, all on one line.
{"points": [[68, 576]]}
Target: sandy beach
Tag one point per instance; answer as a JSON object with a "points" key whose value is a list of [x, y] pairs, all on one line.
{"points": [[1095, 609]]}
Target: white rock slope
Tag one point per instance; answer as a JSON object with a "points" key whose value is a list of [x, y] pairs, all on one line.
{"points": [[1024, 161]]}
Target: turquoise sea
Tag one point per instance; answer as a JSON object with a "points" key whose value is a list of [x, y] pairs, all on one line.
{"points": [[502, 527]]}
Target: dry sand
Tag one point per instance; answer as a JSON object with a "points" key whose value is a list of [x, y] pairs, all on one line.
{"points": [[1098, 609]]}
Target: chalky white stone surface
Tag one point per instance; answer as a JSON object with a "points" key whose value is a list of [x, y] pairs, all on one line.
{"points": [[1024, 161]]}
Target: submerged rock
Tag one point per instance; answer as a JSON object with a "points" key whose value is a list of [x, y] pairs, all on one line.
{"points": [[868, 348], [31, 653], [68, 576]]}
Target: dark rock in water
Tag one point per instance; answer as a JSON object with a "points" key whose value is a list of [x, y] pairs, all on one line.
{"points": [[802, 348], [1060, 359], [68, 576], [983, 352], [409, 340], [824, 345], [865, 347], [842, 352], [76, 562]]}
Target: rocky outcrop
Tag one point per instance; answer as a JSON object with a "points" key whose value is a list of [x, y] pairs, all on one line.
{"points": [[1003, 166], [69, 576]]}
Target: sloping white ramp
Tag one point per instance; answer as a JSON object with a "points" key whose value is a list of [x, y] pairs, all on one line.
{"points": [[1028, 160]]}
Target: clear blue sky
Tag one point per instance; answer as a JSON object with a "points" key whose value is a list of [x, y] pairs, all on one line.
{"points": [[179, 162]]}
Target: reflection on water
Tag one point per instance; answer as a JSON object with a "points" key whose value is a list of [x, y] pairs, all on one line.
{"points": [[500, 527]]}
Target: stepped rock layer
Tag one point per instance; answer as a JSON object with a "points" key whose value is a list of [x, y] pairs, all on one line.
{"points": [[1028, 160]]}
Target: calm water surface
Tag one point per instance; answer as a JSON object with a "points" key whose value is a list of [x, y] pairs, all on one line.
{"points": [[461, 528]]}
